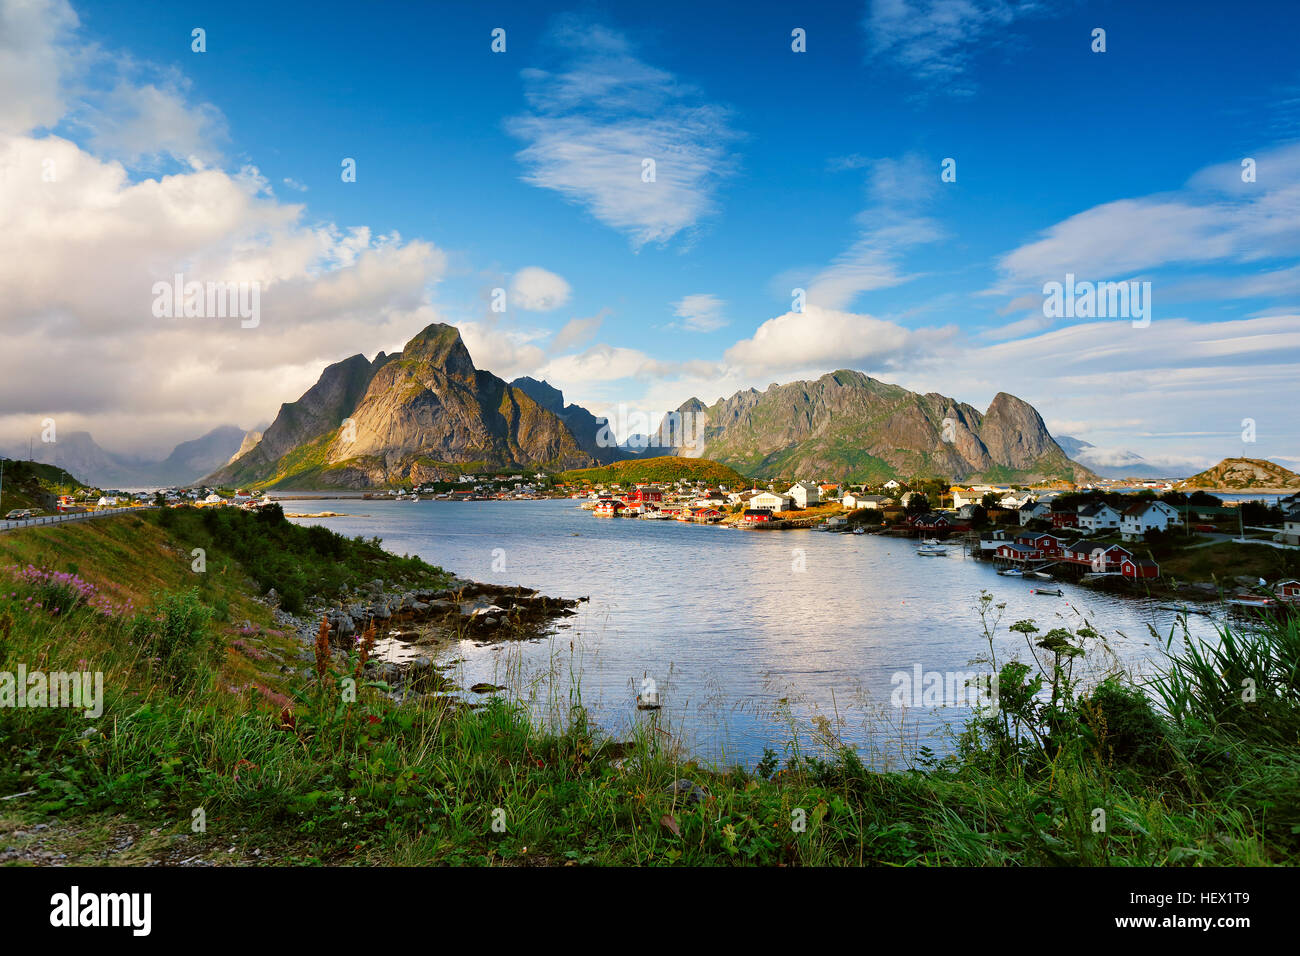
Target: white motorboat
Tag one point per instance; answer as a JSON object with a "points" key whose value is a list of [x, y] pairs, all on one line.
{"points": [[931, 551], [1012, 573]]}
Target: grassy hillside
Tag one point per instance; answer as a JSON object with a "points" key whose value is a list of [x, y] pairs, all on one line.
{"points": [[665, 468], [289, 766], [25, 480]]}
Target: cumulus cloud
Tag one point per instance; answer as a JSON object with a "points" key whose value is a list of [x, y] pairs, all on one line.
{"points": [[34, 35], [594, 121], [86, 241], [537, 290], [829, 339]]}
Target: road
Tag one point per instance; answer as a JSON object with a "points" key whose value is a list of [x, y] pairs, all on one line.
{"points": [[60, 518]]}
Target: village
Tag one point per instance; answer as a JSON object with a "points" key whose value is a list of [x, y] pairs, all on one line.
{"points": [[1089, 535]]}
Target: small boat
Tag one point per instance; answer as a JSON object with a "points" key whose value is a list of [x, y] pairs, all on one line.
{"points": [[859, 531], [1251, 601], [931, 551], [1041, 574], [1049, 592], [1012, 573]]}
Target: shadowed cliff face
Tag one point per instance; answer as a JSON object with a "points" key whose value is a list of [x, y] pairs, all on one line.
{"points": [[405, 418], [846, 425]]}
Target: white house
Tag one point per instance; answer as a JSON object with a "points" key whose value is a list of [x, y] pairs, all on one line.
{"points": [[892, 485], [1098, 516], [1290, 533], [1034, 509], [770, 501], [805, 493], [858, 500], [1146, 515], [1013, 500], [107, 502]]}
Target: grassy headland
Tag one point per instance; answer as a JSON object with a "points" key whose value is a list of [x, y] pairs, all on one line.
{"points": [[286, 765], [666, 468]]}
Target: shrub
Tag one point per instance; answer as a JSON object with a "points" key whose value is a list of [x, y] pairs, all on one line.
{"points": [[174, 631]]}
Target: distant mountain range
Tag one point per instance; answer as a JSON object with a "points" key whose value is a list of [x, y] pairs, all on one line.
{"points": [[1110, 464], [79, 454], [427, 413], [846, 425]]}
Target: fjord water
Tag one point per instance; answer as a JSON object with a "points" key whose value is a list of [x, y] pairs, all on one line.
{"points": [[741, 631]]}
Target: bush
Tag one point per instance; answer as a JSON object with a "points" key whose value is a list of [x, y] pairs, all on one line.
{"points": [[1126, 728], [175, 633]]}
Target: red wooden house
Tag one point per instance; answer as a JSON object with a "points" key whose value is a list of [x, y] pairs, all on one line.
{"points": [[1015, 551], [643, 496], [1049, 544], [1132, 567]]}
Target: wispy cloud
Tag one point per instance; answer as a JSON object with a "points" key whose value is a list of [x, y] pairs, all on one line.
{"points": [[699, 313], [935, 40], [594, 122], [889, 228]]}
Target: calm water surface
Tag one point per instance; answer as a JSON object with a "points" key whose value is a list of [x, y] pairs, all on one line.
{"points": [[743, 632]]}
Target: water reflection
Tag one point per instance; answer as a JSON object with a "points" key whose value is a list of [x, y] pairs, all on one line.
{"points": [[745, 633]]}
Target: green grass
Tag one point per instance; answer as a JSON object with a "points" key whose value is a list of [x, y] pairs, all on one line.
{"points": [[193, 720], [665, 468]]}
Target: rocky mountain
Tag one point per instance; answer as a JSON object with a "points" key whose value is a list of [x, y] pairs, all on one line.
{"points": [[1243, 474], [417, 416], [584, 426], [251, 438], [847, 425]]}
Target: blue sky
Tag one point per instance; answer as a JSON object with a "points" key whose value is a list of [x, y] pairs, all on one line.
{"points": [[774, 170]]}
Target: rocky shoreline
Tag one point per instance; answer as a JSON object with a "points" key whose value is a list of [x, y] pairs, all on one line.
{"points": [[410, 621]]}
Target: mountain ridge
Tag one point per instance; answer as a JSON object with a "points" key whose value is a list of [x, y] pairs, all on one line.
{"points": [[423, 414], [847, 425]]}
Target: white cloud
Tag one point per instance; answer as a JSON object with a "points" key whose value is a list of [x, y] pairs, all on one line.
{"points": [[1214, 218], [887, 229], [536, 290], [577, 332], [830, 339], [595, 120], [506, 351], [136, 123], [33, 39], [934, 40], [699, 313], [79, 257]]}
